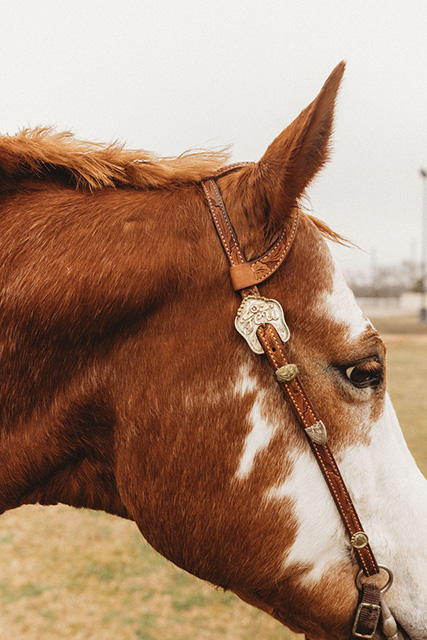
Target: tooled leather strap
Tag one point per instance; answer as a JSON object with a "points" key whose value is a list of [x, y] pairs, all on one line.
{"points": [[245, 275], [252, 273], [275, 352]]}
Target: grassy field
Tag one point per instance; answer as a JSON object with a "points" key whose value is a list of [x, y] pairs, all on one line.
{"points": [[81, 575], [406, 342]]}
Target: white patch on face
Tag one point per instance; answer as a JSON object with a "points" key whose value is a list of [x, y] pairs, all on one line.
{"points": [[262, 430], [245, 382], [257, 439], [341, 306], [321, 540], [390, 495]]}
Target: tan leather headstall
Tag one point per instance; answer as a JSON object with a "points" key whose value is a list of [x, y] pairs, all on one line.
{"points": [[261, 322]]}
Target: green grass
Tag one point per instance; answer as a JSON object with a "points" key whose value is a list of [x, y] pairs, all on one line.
{"points": [[82, 575]]}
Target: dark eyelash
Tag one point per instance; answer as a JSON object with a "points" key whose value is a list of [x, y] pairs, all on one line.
{"points": [[368, 373]]}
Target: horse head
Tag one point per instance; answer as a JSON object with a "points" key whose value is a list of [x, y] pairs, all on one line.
{"points": [[251, 510], [193, 438]]}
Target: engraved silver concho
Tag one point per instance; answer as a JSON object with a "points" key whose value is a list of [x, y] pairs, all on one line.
{"points": [[317, 433], [256, 311]]}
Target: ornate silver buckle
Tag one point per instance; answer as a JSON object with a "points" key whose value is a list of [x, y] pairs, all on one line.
{"points": [[256, 311]]}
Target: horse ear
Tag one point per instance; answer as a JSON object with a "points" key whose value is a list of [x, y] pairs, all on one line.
{"points": [[298, 153]]}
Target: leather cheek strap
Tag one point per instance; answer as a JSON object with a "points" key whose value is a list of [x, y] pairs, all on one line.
{"points": [[307, 418], [245, 276]]}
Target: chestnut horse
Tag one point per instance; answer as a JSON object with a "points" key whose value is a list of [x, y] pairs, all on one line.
{"points": [[125, 387]]}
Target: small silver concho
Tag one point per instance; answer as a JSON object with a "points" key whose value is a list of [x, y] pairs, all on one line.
{"points": [[256, 311]]}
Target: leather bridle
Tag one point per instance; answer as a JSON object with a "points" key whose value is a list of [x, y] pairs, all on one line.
{"points": [[261, 322]]}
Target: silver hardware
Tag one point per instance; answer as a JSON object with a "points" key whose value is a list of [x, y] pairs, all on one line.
{"points": [[373, 607], [389, 625], [317, 433], [287, 373], [387, 585], [256, 311], [359, 540]]}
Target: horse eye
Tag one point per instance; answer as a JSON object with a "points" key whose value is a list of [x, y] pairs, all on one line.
{"points": [[365, 374]]}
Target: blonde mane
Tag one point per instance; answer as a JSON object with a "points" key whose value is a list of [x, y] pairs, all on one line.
{"points": [[43, 153]]}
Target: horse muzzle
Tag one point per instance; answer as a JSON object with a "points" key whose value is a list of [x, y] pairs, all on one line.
{"points": [[401, 634]]}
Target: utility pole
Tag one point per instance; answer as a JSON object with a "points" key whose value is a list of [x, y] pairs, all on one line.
{"points": [[374, 284], [423, 309]]}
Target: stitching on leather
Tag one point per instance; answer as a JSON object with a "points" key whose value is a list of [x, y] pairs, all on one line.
{"points": [[345, 507], [225, 218], [289, 388], [341, 507], [279, 261], [348, 503], [212, 208], [217, 224], [371, 557], [331, 479], [337, 471], [258, 261], [264, 331], [282, 255], [352, 509], [304, 421], [222, 171], [273, 248]]}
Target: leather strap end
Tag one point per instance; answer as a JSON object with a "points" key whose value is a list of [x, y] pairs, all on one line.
{"points": [[368, 613], [242, 276]]}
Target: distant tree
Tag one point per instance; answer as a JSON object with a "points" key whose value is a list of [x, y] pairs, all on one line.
{"points": [[418, 286], [388, 281]]}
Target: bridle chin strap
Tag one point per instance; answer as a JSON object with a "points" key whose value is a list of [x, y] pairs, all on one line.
{"points": [[261, 322]]}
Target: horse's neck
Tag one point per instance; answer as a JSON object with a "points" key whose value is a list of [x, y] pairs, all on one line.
{"points": [[81, 272]]}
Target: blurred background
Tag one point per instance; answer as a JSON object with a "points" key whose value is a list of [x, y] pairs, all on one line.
{"points": [[168, 76]]}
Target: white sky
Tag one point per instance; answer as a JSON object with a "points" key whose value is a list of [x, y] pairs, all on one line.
{"points": [[168, 75]]}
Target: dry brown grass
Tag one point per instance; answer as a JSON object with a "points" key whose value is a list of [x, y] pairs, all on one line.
{"points": [[406, 341], [400, 325], [83, 575]]}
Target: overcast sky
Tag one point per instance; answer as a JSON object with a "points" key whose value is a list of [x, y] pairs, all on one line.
{"points": [[168, 75]]}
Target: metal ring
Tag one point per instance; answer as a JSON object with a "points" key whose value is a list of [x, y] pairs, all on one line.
{"points": [[387, 585]]}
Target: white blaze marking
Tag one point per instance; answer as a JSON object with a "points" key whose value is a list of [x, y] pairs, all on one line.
{"points": [[321, 539], [257, 439], [245, 382], [341, 306], [262, 430], [388, 490], [390, 496]]}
